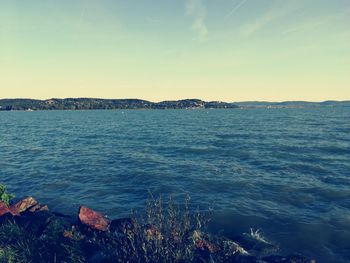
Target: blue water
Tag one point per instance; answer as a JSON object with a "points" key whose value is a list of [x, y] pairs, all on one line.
{"points": [[286, 171]]}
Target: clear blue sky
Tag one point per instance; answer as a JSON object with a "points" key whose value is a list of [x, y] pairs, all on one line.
{"points": [[227, 50]]}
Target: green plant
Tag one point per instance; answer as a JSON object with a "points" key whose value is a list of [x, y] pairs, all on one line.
{"points": [[4, 196], [6, 255]]}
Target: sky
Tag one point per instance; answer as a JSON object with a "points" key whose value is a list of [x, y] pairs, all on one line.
{"points": [[229, 50]]}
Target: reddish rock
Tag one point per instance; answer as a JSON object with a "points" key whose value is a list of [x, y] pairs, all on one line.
{"points": [[4, 209], [14, 211], [93, 219], [25, 204]]}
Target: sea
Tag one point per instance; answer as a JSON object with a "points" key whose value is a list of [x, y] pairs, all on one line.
{"points": [[285, 171]]}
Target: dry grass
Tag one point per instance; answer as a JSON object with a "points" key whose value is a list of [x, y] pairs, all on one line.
{"points": [[164, 234]]}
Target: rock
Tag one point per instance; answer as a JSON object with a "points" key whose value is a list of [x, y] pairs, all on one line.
{"points": [[8, 217], [14, 211], [255, 242], [288, 259], [69, 220], [123, 225], [35, 223], [243, 259], [39, 208], [24, 204], [233, 248], [93, 219], [4, 209]]}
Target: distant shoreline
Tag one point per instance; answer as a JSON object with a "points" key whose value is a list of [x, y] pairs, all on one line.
{"points": [[112, 104], [108, 104]]}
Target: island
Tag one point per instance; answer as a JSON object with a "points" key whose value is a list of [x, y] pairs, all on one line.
{"points": [[111, 104], [108, 104]]}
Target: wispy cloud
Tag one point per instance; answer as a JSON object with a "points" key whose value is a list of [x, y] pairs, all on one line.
{"points": [[235, 8], [317, 22], [271, 15], [252, 27], [197, 10]]}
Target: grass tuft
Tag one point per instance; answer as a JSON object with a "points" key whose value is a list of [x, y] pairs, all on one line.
{"points": [[164, 234]]}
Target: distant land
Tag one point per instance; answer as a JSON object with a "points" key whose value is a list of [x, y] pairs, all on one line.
{"points": [[108, 104], [291, 104]]}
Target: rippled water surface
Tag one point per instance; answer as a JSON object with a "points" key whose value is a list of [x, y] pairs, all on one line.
{"points": [[286, 171]]}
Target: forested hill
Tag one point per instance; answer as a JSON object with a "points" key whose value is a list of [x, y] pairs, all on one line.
{"points": [[106, 104]]}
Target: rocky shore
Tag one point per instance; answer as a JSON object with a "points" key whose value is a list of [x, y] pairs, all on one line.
{"points": [[30, 232]]}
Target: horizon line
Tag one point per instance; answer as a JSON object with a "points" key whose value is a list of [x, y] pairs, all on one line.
{"points": [[240, 101]]}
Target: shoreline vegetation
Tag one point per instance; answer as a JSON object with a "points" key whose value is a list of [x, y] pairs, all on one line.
{"points": [[110, 104], [166, 232]]}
